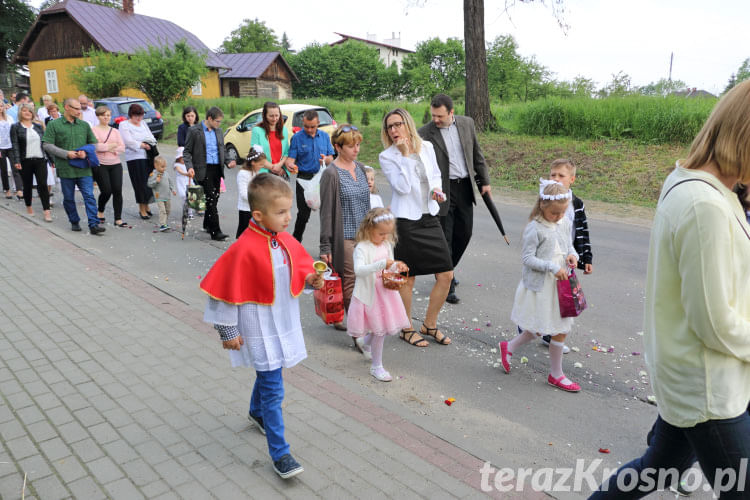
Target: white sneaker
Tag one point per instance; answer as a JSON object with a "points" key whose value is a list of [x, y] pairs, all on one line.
{"points": [[545, 340], [381, 374], [366, 351]]}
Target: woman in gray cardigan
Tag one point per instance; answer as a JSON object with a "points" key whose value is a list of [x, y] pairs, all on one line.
{"points": [[344, 201]]}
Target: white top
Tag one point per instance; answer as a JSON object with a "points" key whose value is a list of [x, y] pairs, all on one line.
{"points": [[401, 172], [365, 267], [181, 181], [376, 201], [33, 143], [456, 160], [89, 115], [42, 113], [272, 334], [133, 136], [697, 308], [541, 242], [5, 142], [243, 180]]}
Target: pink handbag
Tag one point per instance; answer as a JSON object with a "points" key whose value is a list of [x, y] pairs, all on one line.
{"points": [[570, 295]]}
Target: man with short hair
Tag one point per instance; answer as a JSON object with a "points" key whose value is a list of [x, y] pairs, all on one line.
{"points": [[88, 114], [42, 113], [462, 166], [21, 98], [204, 158], [309, 149], [64, 139]]}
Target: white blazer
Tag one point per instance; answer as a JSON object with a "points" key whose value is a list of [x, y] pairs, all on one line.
{"points": [[401, 172], [365, 267]]}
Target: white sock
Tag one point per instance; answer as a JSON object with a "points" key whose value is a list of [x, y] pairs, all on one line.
{"points": [[376, 347], [522, 338], [555, 360]]}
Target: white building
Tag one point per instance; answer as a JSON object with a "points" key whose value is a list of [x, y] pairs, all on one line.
{"points": [[390, 49]]}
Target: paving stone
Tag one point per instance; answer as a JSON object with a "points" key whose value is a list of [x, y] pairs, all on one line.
{"points": [[47, 401], [173, 473], [86, 488], [87, 450], [55, 449], [104, 470], [152, 490], [140, 472], [120, 451], [69, 469], [59, 415], [50, 488], [104, 433], [41, 431], [72, 432], [122, 489], [12, 430], [35, 466], [21, 448]]}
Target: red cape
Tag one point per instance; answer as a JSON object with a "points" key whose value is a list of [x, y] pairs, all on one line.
{"points": [[244, 273]]}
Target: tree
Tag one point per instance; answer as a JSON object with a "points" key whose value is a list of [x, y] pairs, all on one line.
{"points": [[351, 70], [285, 45], [663, 87], [618, 87], [503, 67], [435, 67], [583, 87], [167, 74], [103, 74], [117, 4], [16, 17], [477, 90], [251, 36], [744, 72]]}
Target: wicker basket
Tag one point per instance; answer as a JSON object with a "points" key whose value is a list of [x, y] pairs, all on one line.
{"points": [[394, 281]]}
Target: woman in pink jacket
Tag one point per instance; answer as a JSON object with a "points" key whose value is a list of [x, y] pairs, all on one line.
{"points": [[108, 175]]}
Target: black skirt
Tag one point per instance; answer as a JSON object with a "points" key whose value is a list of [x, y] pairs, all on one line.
{"points": [[422, 246]]}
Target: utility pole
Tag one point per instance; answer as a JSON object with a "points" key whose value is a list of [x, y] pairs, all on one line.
{"points": [[671, 58]]}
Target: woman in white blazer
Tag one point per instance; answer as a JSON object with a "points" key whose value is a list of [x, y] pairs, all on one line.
{"points": [[411, 168]]}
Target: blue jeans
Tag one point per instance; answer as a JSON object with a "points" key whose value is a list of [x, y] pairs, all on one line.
{"points": [[268, 393], [719, 445], [86, 186]]}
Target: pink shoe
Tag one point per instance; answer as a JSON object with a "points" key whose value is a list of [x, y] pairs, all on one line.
{"points": [[504, 356], [572, 387]]}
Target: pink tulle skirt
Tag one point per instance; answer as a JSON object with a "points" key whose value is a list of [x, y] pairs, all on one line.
{"points": [[386, 315]]}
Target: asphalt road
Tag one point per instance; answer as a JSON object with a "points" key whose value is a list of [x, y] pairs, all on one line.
{"points": [[514, 420]]}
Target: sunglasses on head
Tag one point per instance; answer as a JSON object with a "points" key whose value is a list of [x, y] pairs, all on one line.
{"points": [[348, 128]]}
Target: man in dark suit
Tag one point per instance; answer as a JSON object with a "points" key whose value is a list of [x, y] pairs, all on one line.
{"points": [[204, 159], [462, 166]]}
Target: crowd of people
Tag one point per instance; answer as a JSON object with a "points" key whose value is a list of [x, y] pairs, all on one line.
{"points": [[697, 315]]}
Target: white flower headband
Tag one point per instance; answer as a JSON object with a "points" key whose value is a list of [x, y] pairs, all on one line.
{"points": [[254, 152], [543, 183], [383, 217]]}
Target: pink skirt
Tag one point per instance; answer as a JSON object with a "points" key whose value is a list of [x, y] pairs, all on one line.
{"points": [[386, 315]]}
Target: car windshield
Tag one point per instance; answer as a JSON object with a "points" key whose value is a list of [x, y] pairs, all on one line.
{"points": [[323, 115], [124, 107]]}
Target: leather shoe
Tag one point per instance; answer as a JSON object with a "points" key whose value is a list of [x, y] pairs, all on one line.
{"points": [[452, 298], [97, 230], [455, 283], [219, 236], [74, 226]]}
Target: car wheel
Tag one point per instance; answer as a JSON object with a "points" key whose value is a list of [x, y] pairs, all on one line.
{"points": [[232, 153], [158, 137]]}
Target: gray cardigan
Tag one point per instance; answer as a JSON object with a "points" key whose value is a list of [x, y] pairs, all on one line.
{"points": [[538, 250], [331, 219]]}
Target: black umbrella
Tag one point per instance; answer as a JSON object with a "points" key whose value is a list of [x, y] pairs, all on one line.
{"points": [[493, 212]]}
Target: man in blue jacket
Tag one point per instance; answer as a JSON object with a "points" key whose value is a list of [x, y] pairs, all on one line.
{"points": [[309, 149]]}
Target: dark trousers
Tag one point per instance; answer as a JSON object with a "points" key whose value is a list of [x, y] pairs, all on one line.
{"points": [[717, 444], [459, 221], [303, 211], [244, 222], [31, 167], [109, 179], [5, 155], [139, 170], [211, 186]]}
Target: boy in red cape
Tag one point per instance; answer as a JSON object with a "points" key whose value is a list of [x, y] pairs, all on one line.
{"points": [[253, 302]]}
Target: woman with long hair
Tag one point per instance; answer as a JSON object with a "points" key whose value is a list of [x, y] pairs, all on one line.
{"points": [[108, 175], [6, 149], [189, 118], [29, 158], [270, 134]]}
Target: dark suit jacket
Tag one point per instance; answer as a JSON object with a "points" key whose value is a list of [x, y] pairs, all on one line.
{"points": [[472, 155], [195, 150]]}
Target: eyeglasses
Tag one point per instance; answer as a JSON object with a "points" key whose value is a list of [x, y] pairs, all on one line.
{"points": [[348, 128], [394, 125], [73, 107]]}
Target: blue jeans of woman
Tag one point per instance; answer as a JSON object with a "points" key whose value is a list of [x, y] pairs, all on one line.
{"points": [[722, 448], [268, 393]]}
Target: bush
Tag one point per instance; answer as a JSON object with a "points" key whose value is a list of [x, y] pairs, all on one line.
{"points": [[654, 120]]}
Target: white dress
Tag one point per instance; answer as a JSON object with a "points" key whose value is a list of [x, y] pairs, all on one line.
{"points": [[181, 181], [539, 312], [272, 334]]}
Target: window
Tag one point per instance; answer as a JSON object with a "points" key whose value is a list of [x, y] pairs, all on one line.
{"points": [[50, 76], [197, 89], [89, 68]]}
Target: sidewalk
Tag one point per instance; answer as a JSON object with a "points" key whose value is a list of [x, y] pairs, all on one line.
{"points": [[111, 388]]}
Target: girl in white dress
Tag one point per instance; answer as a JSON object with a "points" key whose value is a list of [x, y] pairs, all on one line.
{"points": [[546, 255]]}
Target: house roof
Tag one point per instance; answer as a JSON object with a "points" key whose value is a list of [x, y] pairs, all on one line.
{"points": [[344, 38], [116, 31], [250, 64]]}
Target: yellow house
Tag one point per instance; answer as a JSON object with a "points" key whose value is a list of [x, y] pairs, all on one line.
{"points": [[56, 42]]}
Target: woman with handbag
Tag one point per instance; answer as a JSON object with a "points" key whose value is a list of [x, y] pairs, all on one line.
{"points": [[697, 314], [29, 157], [139, 145], [108, 175], [344, 202], [410, 165], [6, 148]]}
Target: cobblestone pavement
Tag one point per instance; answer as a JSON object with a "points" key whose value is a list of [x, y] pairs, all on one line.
{"points": [[111, 388]]}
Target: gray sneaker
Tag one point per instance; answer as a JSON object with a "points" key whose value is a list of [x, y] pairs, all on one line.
{"points": [[287, 467]]}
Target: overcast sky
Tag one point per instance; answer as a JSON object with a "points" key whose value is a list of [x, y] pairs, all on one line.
{"points": [[709, 39]]}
